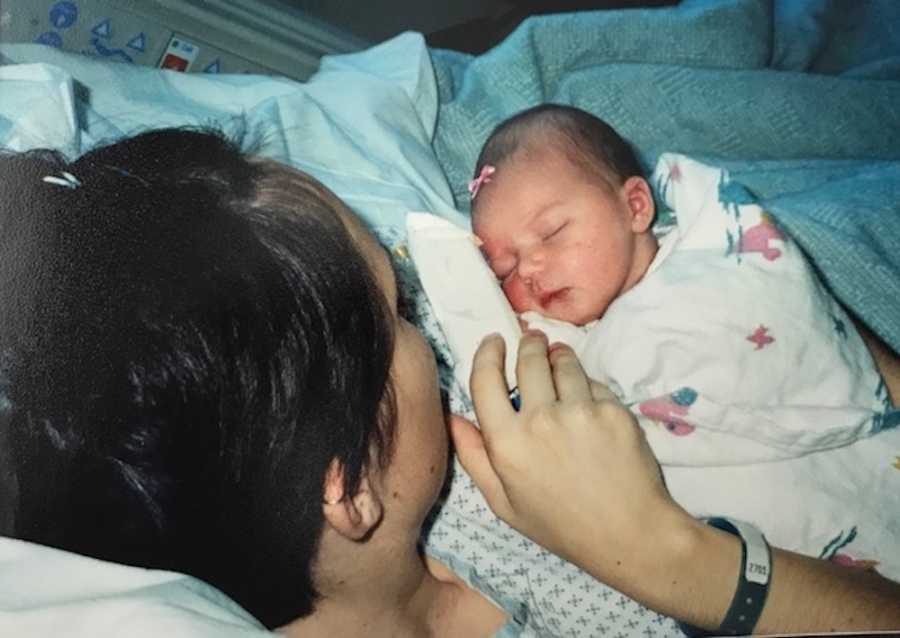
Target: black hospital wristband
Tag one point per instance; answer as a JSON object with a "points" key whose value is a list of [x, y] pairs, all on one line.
{"points": [[752, 586]]}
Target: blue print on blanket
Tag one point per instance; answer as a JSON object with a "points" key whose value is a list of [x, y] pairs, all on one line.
{"points": [[733, 195], [890, 417], [839, 327]]}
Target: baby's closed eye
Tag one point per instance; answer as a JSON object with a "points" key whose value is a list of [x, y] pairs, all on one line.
{"points": [[555, 231]]}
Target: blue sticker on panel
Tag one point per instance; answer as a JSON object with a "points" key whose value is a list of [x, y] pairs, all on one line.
{"points": [[103, 51], [50, 38], [213, 67], [63, 15], [103, 29], [138, 42]]}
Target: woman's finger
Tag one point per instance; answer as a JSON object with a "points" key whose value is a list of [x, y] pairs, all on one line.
{"points": [[472, 454], [533, 371], [490, 394], [569, 378], [601, 392]]}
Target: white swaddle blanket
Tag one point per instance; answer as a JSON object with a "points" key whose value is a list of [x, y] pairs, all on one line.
{"points": [[729, 350], [755, 390]]}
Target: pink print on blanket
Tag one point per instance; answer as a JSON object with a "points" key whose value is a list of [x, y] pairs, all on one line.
{"points": [[836, 552], [671, 410], [756, 239], [848, 561]]}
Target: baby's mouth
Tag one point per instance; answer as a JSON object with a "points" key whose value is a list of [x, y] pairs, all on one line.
{"points": [[551, 297]]}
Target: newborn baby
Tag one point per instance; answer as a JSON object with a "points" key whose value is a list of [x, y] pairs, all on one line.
{"points": [[719, 335]]}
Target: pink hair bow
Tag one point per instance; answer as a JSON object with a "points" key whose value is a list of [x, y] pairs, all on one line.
{"points": [[483, 178]]}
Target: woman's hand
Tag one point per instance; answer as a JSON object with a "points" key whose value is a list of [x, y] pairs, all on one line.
{"points": [[573, 472], [572, 469]]}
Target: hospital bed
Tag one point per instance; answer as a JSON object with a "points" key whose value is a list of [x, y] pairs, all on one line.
{"points": [[797, 99]]}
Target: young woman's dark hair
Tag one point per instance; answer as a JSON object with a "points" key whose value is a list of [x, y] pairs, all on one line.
{"points": [[188, 339], [587, 141]]}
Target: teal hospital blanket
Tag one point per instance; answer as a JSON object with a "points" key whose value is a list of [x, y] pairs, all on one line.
{"points": [[800, 100]]}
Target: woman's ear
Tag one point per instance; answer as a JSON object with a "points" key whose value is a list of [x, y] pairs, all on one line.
{"points": [[352, 516], [639, 200]]}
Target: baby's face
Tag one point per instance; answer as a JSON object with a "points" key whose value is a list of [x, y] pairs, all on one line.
{"points": [[561, 243]]}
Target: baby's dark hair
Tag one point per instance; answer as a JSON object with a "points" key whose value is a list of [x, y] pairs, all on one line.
{"points": [[188, 338], [587, 141]]}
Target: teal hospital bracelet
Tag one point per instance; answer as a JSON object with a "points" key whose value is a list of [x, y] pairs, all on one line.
{"points": [[752, 586]]}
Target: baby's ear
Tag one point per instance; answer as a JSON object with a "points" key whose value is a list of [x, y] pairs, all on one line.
{"points": [[639, 199]]}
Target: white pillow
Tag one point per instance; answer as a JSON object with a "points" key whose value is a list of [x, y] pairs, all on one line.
{"points": [[48, 592], [363, 124]]}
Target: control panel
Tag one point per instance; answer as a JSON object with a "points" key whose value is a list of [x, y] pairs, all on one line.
{"points": [[173, 34]]}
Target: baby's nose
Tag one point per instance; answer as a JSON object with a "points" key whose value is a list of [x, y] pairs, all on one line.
{"points": [[529, 267]]}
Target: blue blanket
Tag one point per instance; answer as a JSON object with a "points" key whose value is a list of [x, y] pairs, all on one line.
{"points": [[800, 100]]}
